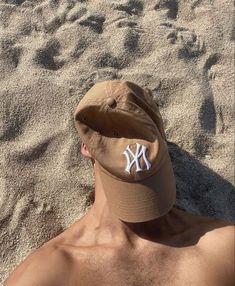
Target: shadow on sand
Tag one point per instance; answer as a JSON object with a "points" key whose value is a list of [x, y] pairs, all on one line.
{"points": [[199, 189]]}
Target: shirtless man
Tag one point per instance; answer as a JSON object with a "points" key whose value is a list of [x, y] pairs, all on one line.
{"points": [[132, 235]]}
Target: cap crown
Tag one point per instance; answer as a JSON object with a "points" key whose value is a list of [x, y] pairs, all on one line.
{"points": [[122, 127]]}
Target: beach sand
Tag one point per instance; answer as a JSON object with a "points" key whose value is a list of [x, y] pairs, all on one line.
{"points": [[52, 52]]}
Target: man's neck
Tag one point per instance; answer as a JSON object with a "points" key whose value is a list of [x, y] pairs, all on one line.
{"points": [[107, 228], [111, 230]]}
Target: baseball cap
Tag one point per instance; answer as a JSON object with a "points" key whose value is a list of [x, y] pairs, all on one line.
{"points": [[121, 125]]}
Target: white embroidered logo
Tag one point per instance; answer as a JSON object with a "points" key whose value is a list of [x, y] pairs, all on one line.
{"points": [[140, 151]]}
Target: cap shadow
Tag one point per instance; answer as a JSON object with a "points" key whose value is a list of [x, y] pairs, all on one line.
{"points": [[202, 196], [199, 189]]}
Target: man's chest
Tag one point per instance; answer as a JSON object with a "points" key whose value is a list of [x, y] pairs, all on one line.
{"points": [[162, 267]]}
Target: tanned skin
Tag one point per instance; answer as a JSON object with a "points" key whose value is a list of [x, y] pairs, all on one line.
{"points": [[177, 249]]}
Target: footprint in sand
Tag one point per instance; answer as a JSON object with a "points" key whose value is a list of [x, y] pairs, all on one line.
{"points": [[52, 25], [9, 55], [207, 113], [126, 42], [132, 7], [106, 59], [21, 211], [49, 16], [131, 40], [190, 43], [15, 2], [168, 7], [209, 67], [95, 22], [32, 153], [128, 34], [46, 57], [76, 13]]}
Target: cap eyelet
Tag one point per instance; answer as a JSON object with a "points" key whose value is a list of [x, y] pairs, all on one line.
{"points": [[111, 102]]}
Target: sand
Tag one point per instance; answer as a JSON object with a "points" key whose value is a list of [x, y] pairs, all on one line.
{"points": [[52, 52]]}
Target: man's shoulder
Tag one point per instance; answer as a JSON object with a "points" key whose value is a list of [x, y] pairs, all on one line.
{"points": [[220, 236], [217, 246], [217, 229], [43, 267], [207, 226], [214, 231]]}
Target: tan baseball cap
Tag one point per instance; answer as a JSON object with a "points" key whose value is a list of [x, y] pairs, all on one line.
{"points": [[121, 125]]}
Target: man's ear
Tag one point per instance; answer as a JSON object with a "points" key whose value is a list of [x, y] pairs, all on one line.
{"points": [[84, 150]]}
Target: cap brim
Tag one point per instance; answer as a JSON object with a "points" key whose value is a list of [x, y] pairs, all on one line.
{"points": [[144, 200]]}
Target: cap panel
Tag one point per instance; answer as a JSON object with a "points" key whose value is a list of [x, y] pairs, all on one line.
{"points": [[129, 91], [114, 123], [111, 156], [126, 122], [145, 100]]}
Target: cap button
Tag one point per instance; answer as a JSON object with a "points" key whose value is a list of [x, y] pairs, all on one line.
{"points": [[111, 102]]}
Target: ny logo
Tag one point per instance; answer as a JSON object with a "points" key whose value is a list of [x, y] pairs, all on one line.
{"points": [[140, 151]]}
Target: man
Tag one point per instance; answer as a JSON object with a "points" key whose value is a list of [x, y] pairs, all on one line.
{"points": [[132, 234]]}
